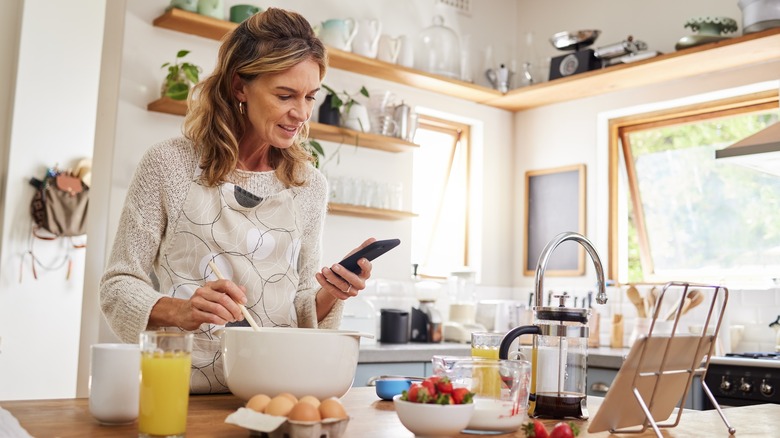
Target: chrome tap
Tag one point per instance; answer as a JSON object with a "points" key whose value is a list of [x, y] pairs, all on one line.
{"points": [[601, 297]]}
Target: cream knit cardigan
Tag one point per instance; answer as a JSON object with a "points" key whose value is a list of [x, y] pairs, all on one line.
{"points": [[152, 207]]}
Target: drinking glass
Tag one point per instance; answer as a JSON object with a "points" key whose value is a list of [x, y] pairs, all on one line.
{"points": [[165, 384]]}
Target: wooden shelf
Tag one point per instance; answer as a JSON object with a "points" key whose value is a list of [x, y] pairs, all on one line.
{"points": [[368, 212], [316, 130], [363, 139], [168, 105], [755, 48]]}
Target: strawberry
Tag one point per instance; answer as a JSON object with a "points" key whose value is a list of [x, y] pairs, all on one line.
{"points": [[461, 396], [535, 429], [411, 394], [424, 395], [564, 430], [429, 385], [444, 386]]}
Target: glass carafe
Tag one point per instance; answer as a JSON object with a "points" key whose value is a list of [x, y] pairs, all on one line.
{"points": [[558, 358]]}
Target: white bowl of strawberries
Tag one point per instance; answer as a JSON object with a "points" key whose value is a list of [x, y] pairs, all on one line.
{"points": [[434, 408]]}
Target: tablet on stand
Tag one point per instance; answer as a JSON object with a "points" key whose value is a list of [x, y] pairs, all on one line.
{"points": [[657, 374]]}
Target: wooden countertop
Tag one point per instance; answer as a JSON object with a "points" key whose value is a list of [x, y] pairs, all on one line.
{"points": [[370, 417]]}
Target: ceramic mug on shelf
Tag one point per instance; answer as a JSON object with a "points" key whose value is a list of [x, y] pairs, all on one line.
{"points": [[239, 13], [388, 49], [212, 8], [366, 41], [338, 33], [187, 5]]}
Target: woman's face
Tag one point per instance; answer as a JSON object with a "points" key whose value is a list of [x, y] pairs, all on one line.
{"points": [[277, 105]]}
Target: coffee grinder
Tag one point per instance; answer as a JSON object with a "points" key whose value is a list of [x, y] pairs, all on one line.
{"points": [[579, 61]]}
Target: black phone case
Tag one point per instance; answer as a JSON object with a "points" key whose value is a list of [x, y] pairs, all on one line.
{"points": [[370, 252]]}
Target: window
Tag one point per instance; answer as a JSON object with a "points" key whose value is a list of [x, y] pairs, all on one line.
{"points": [[683, 214], [440, 197]]}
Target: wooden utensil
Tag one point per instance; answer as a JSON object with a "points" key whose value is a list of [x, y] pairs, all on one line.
{"points": [[245, 312], [636, 298], [652, 298], [695, 298]]}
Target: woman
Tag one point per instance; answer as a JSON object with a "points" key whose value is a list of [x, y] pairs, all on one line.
{"points": [[239, 190]]}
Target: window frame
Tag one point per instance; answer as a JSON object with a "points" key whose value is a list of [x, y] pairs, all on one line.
{"points": [[621, 126], [461, 132]]}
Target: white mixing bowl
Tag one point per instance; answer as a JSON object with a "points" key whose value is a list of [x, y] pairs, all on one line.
{"points": [[300, 361]]}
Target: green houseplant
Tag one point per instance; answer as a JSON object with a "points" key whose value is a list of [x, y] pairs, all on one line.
{"points": [[343, 103], [181, 77]]}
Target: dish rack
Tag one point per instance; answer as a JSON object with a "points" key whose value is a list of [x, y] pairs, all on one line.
{"points": [[647, 389]]}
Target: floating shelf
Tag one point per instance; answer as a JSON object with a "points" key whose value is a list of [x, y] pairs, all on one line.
{"points": [[316, 130], [368, 212], [727, 54]]}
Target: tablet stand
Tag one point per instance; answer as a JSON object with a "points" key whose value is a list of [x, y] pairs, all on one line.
{"points": [[659, 374]]}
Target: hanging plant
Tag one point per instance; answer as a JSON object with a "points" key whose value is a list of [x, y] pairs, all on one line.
{"points": [[181, 77]]}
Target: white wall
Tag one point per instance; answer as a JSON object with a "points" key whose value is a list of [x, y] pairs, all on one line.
{"points": [[52, 121]]}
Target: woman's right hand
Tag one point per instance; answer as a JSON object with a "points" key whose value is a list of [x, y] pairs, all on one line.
{"points": [[212, 303]]}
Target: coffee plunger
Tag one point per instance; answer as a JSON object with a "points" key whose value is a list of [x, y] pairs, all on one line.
{"points": [[560, 344]]}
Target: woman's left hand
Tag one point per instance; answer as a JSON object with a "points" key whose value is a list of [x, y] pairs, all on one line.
{"points": [[342, 283]]}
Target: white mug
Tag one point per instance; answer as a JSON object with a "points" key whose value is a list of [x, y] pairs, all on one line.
{"points": [[114, 379], [366, 41], [406, 53], [389, 49]]}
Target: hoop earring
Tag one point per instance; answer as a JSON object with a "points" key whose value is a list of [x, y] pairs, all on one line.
{"points": [[241, 107]]}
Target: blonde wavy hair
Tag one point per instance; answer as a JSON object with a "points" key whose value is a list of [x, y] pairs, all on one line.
{"points": [[269, 42]]}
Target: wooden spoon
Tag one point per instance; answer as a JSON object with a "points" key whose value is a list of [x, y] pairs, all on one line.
{"points": [[696, 297], [245, 312], [636, 298]]}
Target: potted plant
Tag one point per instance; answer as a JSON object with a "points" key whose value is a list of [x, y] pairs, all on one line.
{"points": [[341, 109], [181, 77]]}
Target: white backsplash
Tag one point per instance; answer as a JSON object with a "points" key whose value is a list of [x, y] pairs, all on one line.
{"points": [[753, 309]]}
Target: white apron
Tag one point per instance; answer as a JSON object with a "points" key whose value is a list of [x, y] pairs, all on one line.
{"points": [[255, 242]]}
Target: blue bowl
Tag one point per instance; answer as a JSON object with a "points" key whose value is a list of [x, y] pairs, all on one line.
{"points": [[387, 388]]}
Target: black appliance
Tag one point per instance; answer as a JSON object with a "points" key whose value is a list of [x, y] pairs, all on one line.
{"points": [[393, 326], [576, 62], [426, 323], [744, 379]]}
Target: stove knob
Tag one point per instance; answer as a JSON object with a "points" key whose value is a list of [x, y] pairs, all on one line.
{"points": [[725, 384], [745, 386], [766, 388]]}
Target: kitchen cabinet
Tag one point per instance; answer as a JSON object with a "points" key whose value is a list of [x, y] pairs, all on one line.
{"points": [[731, 53]]}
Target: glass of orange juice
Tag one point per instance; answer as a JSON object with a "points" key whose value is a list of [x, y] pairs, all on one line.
{"points": [[165, 384], [485, 345]]}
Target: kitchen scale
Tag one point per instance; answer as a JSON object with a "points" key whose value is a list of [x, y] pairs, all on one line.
{"points": [[579, 61]]}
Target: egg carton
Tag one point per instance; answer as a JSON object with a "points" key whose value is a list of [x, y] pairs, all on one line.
{"points": [[330, 428], [269, 426]]}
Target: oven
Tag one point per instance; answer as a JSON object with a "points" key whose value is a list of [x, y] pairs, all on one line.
{"points": [[744, 379]]}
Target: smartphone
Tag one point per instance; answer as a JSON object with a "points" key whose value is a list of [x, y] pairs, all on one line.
{"points": [[370, 252]]}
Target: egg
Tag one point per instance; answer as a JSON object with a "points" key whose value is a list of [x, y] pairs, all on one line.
{"points": [[303, 411], [279, 406], [310, 399], [292, 398], [332, 408], [258, 402]]}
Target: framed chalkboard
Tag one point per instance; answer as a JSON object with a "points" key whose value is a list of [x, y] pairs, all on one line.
{"points": [[554, 203]]}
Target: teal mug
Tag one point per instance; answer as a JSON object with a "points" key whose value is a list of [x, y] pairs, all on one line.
{"points": [[239, 13], [187, 5]]}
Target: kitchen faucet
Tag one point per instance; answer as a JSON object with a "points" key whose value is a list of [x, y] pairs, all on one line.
{"points": [[601, 297]]}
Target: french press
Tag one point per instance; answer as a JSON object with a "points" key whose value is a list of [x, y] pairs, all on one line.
{"points": [[560, 345], [559, 357]]}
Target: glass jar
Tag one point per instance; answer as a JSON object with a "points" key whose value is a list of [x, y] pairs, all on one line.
{"points": [[438, 50]]}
